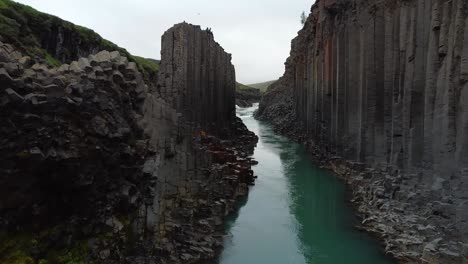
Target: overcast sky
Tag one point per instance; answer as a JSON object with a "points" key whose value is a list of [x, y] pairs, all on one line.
{"points": [[257, 33]]}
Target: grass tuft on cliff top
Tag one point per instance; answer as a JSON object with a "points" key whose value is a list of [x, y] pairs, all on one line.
{"points": [[32, 32], [146, 65]]}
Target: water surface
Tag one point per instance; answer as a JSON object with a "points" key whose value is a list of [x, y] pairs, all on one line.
{"points": [[296, 213]]}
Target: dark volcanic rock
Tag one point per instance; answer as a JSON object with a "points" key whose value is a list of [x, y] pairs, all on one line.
{"points": [[246, 97], [97, 165], [383, 83], [196, 76]]}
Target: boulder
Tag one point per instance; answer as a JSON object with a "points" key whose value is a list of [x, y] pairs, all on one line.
{"points": [[64, 68], [40, 67], [117, 77], [5, 76], [103, 56], [75, 67], [84, 65], [13, 95], [26, 61], [14, 69], [115, 56]]}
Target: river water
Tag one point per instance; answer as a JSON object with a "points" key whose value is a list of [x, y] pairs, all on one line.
{"points": [[296, 213]]}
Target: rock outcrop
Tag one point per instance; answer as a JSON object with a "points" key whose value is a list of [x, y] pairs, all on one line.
{"points": [[383, 84], [196, 77], [97, 165], [54, 41], [246, 97]]}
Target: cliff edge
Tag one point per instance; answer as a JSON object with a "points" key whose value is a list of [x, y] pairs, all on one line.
{"points": [[379, 92], [99, 166]]}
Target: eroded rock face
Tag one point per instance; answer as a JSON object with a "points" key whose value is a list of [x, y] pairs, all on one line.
{"points": [[197, 77], [383, 83], [97, 165]]}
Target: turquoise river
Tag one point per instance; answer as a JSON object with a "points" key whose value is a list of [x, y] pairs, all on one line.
{"points": [[296, 213]]}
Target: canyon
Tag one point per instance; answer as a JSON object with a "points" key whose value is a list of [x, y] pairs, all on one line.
{"points": [[107, 157], [101, 166], [377, 90]]}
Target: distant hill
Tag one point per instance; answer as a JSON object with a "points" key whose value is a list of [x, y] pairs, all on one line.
{"points": [[262, 86], [240, 86], [246, 95]]}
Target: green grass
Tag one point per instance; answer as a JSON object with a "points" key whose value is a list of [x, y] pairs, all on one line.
{"points": [[34, 51], [262, 86], [148, 67], [240, 86], [30, 31], [3, 4], [50, 60]]}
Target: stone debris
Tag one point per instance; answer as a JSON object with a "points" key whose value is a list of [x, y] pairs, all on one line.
{"points": [[139, 171], [382, 84]]}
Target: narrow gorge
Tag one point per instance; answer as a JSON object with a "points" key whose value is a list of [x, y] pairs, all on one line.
{"points": [[358, 154]]}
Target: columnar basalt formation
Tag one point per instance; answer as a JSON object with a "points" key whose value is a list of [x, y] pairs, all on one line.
{"points": [[196, 76], [384, 83], [98, 166], [198, 80]]}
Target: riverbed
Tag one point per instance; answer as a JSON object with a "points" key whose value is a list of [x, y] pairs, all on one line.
{"points": [[296, 213]]}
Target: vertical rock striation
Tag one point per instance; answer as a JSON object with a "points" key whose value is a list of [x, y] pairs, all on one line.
{"points": [[196, 76], [384, 83], [199, 186], [96, 165]]}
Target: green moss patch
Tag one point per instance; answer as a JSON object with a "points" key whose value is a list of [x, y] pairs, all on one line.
{"points": [[32, 31], [147, 66]]}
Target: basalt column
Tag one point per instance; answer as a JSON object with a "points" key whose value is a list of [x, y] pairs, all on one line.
{"points": [[383, 84], [98, 166], [196, 76]]}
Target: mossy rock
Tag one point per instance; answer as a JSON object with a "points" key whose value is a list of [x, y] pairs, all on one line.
{"points": [[17, 248], [33, 33]]}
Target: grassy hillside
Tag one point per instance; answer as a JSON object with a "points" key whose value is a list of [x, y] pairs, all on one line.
{"points": [[240, 86], [37, 35], [262, 86], [246, 95]]}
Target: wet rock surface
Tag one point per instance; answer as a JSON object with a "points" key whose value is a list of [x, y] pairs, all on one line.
{"points": [[99, 165], [381, 84]]}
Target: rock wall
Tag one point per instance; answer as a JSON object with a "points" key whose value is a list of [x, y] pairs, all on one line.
{"points": [[97, 166], [377, 85], [196, 76], [384, 83], [246, 97]]}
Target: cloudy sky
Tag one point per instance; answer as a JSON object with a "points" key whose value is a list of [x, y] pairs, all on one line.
{"points": [[256, 32]]}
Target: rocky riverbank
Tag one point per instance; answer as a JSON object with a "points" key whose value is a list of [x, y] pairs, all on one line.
{"points": [[367, 88], [415, 225]]}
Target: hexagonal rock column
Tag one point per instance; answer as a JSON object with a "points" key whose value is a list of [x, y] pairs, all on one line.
{"points": [[196, 76]]}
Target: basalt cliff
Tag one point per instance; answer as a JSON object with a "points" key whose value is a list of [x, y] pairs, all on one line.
{"points": [[378, 91], [101, 165]]}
